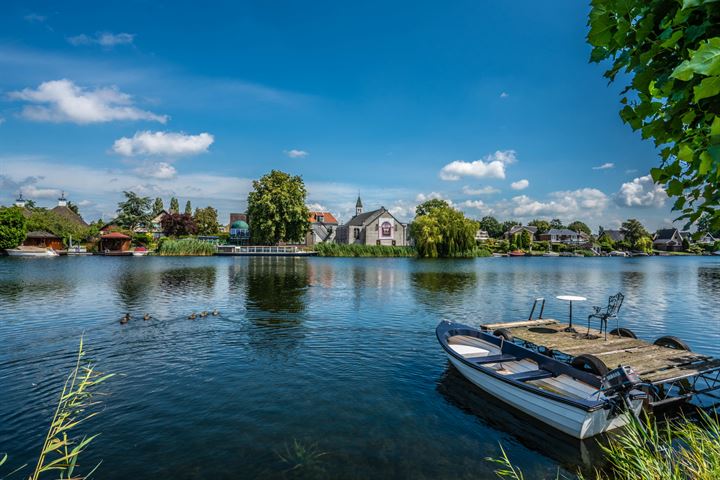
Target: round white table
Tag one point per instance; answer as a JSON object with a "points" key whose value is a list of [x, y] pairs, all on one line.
{"points": [[571, 299]]}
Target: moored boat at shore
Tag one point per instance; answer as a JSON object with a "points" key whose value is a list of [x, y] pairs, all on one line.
{"points": [[23, 251], [570, 400]]}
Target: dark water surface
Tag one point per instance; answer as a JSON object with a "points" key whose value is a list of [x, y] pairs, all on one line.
{"points": [[338, 355]]}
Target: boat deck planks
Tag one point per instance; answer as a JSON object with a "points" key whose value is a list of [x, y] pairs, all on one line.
{"points": [[654, 364]]}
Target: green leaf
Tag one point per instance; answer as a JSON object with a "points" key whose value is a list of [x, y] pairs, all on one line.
{"points": [[675, 187], [705, 61], [658, 175], [672, 41], [705, 163], [709, 87], [715, 126], [685, 153], [695, 3]]}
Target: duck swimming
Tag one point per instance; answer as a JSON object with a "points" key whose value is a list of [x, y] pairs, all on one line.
{"points": [[147, 316], [215, 312], [125, 319], [192, 316], [204, 313]]}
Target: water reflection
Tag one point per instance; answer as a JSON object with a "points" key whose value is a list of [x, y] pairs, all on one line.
{"points": [[444, 282], [568, 451], [189, 279]]}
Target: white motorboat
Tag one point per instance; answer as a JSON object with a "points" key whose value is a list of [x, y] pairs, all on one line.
{"points": [[23, 251], [571, 400], [617, 253], [550, 253]]}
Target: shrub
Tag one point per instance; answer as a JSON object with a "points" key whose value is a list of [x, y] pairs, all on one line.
{"points": [[354, 250]]}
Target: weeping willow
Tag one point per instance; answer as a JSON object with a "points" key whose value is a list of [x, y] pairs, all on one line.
{"points": [[442, 231]]}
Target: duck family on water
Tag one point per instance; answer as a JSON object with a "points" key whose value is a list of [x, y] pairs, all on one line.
{"points": [[126, 318]]}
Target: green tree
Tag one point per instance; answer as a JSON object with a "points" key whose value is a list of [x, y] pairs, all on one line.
{"points": [[73, 207], [188, 208], [206, 221], [706, 224], [644, 244], [556, 223], [134, 212], [426, 207], [174, 205], [668, 54], [178, 224], [158, 207], [526, 240], [13, 227], [506, 226], [442, 231], [276, 209], [578, 226], [606, 242], [49, 221], [541, 225], [492, 226], [633, 231]]}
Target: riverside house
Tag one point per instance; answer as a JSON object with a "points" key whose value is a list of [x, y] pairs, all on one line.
{"points": [[668, 239], [518, 229], [565, 236], [378, 227], [323, 228]]}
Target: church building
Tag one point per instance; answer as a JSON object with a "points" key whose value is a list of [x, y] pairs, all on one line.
{"points": [[378, 227]]}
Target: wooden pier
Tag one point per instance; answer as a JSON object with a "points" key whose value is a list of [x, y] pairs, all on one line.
{"points": [[675, 373]]}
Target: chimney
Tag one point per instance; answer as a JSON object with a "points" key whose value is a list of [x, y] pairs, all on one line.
{"points": [[20, 201]]}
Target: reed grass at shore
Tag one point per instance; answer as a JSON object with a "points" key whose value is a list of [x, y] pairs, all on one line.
{"points": [[185, 247]]}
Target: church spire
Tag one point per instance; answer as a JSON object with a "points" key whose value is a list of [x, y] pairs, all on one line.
{"points": [[358, 206]]}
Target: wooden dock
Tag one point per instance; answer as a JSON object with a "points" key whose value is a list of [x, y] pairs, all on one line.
{"points": [[655, 364]]}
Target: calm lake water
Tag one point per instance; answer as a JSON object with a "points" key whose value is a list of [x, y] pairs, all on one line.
{"points": [[338, 355]]}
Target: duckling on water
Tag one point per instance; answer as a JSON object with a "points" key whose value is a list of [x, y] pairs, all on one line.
{"points": [[147, 316], [125, 319], [192, 316], [204, 313], [215, 312]]}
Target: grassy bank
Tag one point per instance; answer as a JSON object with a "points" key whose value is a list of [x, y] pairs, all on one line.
{"points": [[677, 450], [184, 247], [342, 250]]}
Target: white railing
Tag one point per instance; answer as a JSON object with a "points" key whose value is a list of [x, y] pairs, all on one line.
{"points": [[258, 249]]}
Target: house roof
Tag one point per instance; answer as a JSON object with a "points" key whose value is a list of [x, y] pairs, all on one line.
{"points": [[367, 217], [562, 231], [67, 214], [615, 235], [327, 217], [665, 234], [117, 235], [40, 234], [517, 228]]}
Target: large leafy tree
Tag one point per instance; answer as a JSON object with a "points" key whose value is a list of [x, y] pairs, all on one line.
{"points": [[12, 227], [556, 223], [541, 225], [178, 224], [442, 231], [492, 226], [578, 226], [276, 209], [668, 54], [206, 220], [158, 207], [134, 212], [634, 231]]}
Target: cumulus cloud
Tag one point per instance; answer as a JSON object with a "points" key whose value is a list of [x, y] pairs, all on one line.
{"points": [[160, 170], [604, 166], [32, 191], [641, 192], [421, 197], [520, 184], [492, 166], [63, 101], [504, 95], [316, 207], [294, 153], [487, 190], [104, 39], [170, 144], [478, 204], [563, 203]]}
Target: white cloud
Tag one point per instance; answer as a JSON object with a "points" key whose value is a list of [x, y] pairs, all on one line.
{"points": [[294, 153], [478, 204], [492, 166], [641, 192], [160, 170], [316, 207], [487, 190], [32, 192], [585, 201], [604, 166], [85, 203], [421, 197], [504, 95], [35, 18], [170, 144], [2, 120], [105, 39], [520, 184], [63, 101]]}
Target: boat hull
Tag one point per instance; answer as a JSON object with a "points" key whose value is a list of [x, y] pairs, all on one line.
{"points": [[577, 422], [25, 253]]}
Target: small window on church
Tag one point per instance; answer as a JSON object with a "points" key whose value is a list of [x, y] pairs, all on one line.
{"points": [[357, 233]]}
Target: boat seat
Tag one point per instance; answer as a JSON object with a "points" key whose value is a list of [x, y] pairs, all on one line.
{"points": [[493, 359], [530, 375]]}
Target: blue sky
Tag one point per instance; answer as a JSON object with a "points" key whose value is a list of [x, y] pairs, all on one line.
{"points": [[491, 105]]}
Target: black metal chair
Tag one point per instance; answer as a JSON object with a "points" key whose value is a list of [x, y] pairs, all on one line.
{"points": [[608, 312]]}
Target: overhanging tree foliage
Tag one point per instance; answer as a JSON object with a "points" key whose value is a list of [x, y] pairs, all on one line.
{"points": [[670, 51], [441, 231], [12, 227], [277, 211], [134, 212]]}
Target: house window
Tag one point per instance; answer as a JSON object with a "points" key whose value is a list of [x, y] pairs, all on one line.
{"points": [[357, 234], [320, 218]]}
